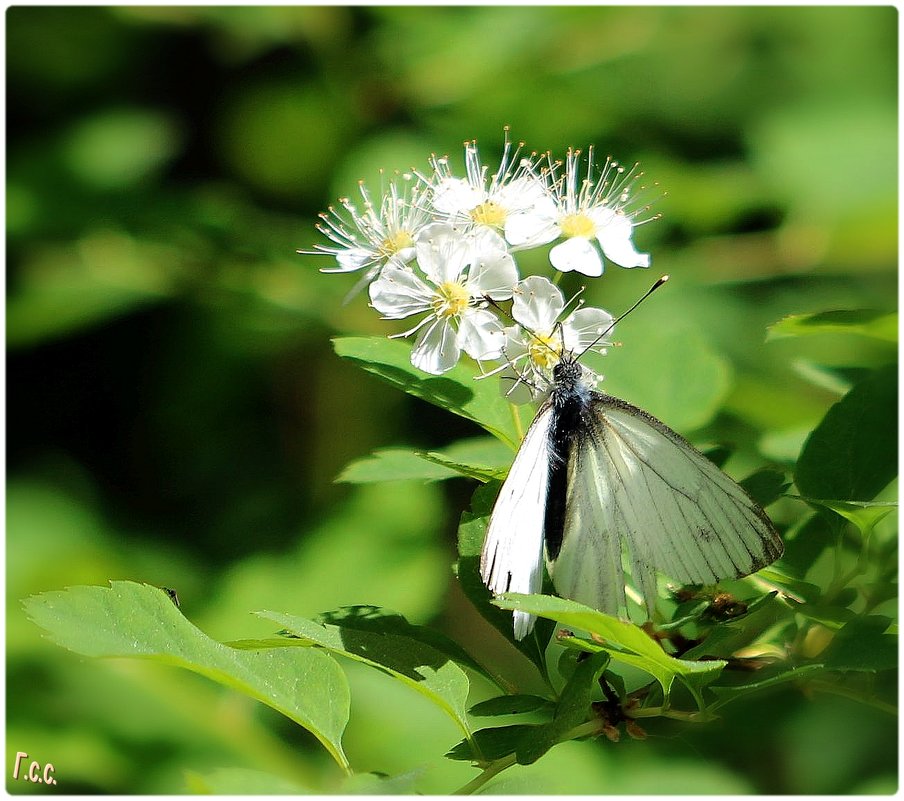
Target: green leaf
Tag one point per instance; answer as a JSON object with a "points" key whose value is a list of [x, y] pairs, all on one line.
{"points": [[672, 372], [495, 742], [795, 588], [515, 704], [471, 534], [483, 474], [624, 642], [864, 515], [852, 453], [832, 616], [863, 322], [137, 620], [483, 458], [765, 486], [385, 621], [784, 676], [393, 464], [863, 644], [572, 709], [424, 668], [458, 390]]}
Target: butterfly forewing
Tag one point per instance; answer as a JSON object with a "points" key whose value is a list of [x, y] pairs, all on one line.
{"points": [[512, 555]]}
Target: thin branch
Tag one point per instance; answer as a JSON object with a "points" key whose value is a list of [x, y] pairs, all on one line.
{"points": [[486, 774]]}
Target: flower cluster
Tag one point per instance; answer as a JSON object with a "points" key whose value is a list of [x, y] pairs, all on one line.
{"points": [[443, 248]]}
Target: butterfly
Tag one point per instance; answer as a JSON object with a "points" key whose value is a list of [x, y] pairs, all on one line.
{"points": [[596, 477]]}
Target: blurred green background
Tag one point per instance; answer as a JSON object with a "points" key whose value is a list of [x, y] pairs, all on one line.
{"points": [[175, 413]]}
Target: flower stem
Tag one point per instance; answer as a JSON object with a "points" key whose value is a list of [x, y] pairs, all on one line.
{"points": [[486, 774]]}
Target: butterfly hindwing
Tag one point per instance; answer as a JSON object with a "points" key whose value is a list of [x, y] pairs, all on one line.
{"points": [[637, 486]]}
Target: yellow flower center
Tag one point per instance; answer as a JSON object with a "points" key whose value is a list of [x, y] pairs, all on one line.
{"points": [[396, 242], [577, 225], [450, 299], [544, 351], [489, 213]]}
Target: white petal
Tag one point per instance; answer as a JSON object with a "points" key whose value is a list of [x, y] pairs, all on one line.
{"points": [[398, 293], [352, 259], [403, 256], [537, 304], [493, 274], [600, 216], [481, 335], [615, 240], [520, 195], [486, 240], [456, 194], [443, 252], [576, 254], [535, 226], [436, 349], [584, 327]]}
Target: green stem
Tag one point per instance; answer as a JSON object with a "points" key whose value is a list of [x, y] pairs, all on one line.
{"points": [[516, 417], [486, 774], [699, 716]]}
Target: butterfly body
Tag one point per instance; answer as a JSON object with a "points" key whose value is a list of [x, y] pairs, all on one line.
{"points": [[597, 483]]}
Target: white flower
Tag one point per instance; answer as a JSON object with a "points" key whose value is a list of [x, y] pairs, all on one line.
{"points": [[461, 271], [482, 199], [536, 344], [588, 213], [374, 235]]}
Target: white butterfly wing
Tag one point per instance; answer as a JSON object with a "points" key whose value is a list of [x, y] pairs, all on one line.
{"points": [[512, 556], [637, 486]]}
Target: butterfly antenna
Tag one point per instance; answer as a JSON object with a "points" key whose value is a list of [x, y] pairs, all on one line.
{"points": [[624, 314]]}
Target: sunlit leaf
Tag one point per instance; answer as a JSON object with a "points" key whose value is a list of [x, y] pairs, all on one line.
{"points": [[137, 620], [457, 390], [394, 464], [624, 642], [483, 458], [425, 669]]}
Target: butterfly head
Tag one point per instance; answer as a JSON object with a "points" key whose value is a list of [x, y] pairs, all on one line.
{"points": [[567, 374]]}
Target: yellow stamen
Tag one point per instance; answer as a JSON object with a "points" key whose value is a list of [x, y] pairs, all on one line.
{"points": [[396, 242], [544, 351], [451, 299], [489, 213], [577, 225]]}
